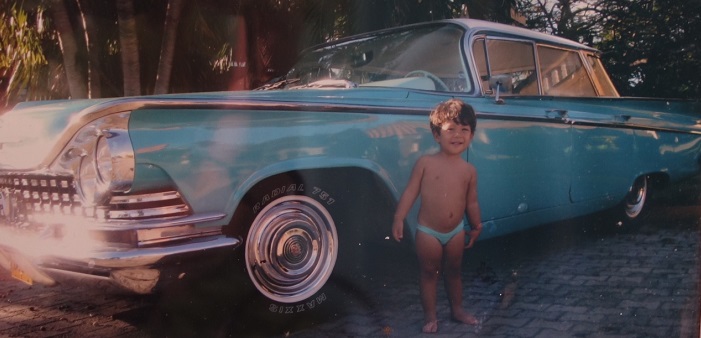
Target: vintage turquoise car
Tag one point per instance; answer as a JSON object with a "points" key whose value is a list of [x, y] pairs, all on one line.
{"points": [[295, 179]]}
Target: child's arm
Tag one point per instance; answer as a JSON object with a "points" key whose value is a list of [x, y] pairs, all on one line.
{"points": [[472, 208], [407, 200]]}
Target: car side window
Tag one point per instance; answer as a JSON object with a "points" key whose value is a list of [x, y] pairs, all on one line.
{"points": [[563, 73], [600, 77], [479, 52], [511, 59]]}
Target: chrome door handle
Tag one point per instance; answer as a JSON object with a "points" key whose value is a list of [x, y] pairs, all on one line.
{"points": [[556, 114], [621, 118]]}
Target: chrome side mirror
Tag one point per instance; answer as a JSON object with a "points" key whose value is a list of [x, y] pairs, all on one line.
{"points": [[502, 83]]}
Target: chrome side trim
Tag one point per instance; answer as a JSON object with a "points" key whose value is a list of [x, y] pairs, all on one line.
{"points": [[613, 123], [146, 256], [167, 211], [152, 197], [158, 223], [146, 237]]}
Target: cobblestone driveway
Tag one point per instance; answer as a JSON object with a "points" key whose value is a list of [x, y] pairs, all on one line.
{"points": [[582, 278]]}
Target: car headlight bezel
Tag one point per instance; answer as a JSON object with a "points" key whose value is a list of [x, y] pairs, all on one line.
{"points": [[101, 158]]}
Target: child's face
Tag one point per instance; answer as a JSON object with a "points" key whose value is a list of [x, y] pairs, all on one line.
{"points": [[454, 138]]}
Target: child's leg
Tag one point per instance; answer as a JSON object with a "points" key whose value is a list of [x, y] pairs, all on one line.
{"points": [[430, 254], [453, 280]]}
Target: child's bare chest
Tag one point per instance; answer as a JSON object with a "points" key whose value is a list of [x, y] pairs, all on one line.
{"points": [[448, 180]]}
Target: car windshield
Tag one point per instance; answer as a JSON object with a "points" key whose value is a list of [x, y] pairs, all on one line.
{"points": [[427, 58]]}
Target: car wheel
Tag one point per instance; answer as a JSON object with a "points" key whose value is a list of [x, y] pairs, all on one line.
{"points": [[634, 203], [291, 249], [289, 268]]}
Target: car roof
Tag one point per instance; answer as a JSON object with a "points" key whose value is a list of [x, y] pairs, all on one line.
{"points": [[475, 26]]}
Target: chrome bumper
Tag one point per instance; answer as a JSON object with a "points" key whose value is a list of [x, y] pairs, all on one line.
{"points": [[42, 259]]}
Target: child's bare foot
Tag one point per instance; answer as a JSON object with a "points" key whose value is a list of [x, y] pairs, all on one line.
{"points": [[465, 318], [430, 327]]}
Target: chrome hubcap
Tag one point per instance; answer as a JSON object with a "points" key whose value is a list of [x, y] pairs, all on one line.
{"points": [[291, 249], [636, 198]]}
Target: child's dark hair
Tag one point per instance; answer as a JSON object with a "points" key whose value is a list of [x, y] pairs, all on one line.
{"points": [[452, 110]]}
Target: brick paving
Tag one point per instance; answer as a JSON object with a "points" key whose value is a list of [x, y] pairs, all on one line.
{"points": [[38, 311], [569, 283], [582, 278]]}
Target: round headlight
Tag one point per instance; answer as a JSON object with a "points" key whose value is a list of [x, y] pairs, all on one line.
{"points": [[103, 157], [95, 173], [87, 180]]}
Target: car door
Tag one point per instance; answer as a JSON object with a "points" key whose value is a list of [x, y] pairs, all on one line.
{"points": [[601, 150], [523, 160], [522, 151]]}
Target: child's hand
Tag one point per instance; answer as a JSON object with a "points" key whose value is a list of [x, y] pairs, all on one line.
{"points": [[398, 230], [473, 234]]}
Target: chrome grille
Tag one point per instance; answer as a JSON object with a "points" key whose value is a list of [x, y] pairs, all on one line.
{"points": [[23, 196]]}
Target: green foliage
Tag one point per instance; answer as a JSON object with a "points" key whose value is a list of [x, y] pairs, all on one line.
{"points": [[21, 53], [654, 47], [577, 20], [19, 39]]}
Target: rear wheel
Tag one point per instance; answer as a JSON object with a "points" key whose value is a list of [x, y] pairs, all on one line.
{"points": [[631, 212], [634, 203]]}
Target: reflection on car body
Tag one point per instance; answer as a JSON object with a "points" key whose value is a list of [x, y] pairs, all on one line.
{"points": [[295, 179]]}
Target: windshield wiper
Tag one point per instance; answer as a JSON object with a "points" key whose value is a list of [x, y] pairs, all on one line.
{"points": [[329, 83], [277, 83]]}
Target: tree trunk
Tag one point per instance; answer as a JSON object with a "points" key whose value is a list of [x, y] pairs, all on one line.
{"points": [[170, 34], [129, 42], [240, 78], [90, 30], [69, 49]]}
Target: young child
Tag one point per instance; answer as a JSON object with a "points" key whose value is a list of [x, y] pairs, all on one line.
{"points": [[448, 188]]}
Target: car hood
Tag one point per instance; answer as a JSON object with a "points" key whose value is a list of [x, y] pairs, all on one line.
{"points": [[30, 130]]}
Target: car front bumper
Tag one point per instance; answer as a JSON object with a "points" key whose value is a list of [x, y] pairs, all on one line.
{"points": [[44, 259]]}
